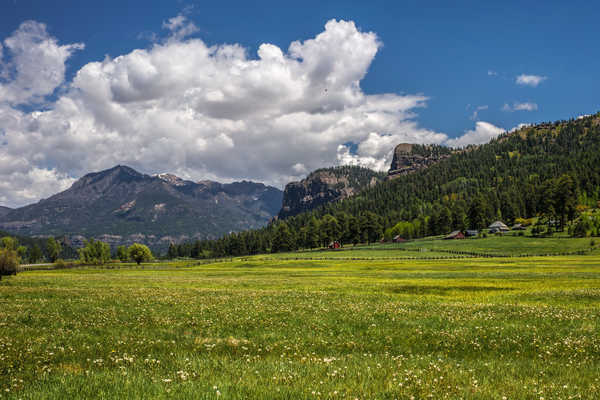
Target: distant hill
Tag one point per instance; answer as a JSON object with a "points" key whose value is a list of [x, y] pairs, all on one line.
{"points": [[324, 186], [4, 210], [121, 205]]}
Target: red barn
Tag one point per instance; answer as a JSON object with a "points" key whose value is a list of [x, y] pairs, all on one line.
{"points": [[455, 235]]}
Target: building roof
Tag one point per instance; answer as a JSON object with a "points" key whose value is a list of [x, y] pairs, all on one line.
{"points": [[498, 225], [455, 234]]}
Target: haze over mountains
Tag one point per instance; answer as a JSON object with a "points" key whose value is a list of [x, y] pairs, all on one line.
{"points": [[121, 205]]}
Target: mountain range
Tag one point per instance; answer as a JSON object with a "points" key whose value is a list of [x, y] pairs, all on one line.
{"points": [[122, 206]]}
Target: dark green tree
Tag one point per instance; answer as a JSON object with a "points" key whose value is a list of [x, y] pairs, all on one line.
{"points": [[122, 254], [476, 214], [172, 253], [282, 239], [53, 249], [35, 254]]}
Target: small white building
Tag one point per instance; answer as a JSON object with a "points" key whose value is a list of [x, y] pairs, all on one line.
{"points": [[499, 226]]}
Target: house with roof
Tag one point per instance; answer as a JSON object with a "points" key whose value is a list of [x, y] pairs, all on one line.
{"points": [[455, 235], [398, 239], [498, 226]]}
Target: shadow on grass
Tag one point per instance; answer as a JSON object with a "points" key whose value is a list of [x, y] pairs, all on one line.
{"points": [[443, 290]]}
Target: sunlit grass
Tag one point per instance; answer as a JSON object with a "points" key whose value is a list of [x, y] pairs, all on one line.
{"points": [[260, 327]]}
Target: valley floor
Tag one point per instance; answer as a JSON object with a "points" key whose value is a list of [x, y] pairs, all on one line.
{"points": [[279, 328]]}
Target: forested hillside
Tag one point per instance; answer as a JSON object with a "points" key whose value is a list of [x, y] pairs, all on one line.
{"points": [[550, 170]]}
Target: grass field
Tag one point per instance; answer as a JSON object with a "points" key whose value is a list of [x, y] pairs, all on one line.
{"points": [[507, 245], [523, 328], [432, 248]]}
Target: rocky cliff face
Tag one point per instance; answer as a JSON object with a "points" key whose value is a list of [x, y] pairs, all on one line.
{"points": [[122, 206], [324, 186], [413, 157]]}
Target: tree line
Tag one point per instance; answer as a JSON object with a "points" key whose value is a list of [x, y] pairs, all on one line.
{"points": [[94, 252]]}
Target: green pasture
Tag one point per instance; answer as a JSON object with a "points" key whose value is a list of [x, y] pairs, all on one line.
{"points": [[281, 328], [506, 245]]}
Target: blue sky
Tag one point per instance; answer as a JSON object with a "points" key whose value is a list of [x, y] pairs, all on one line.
{"points": [[439, 49], [463, 60]]}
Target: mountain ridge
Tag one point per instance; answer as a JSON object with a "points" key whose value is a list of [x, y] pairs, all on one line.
{"points": [[126, 205]]}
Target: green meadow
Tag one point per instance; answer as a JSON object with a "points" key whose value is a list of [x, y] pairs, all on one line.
{"points": [[276, 327]]}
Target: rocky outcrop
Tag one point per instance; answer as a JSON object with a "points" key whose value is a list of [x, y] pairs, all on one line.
{"points": [[410, 158], [325, 186]]}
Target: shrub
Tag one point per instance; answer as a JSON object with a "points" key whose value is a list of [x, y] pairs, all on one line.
{"points": [[9, 262]]}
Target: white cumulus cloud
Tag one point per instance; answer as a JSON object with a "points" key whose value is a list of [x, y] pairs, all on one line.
{"points": [[36, 66], [530, 80], [482, 133], [199, 111]]}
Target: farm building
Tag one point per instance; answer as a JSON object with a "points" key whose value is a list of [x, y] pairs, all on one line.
{"points": [[455, 235], [471, 233], [334, 245], [398, 239], [499, 226]]}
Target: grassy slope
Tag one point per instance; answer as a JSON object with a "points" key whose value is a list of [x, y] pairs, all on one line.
{"points": [[471, 328], [507, 245]]}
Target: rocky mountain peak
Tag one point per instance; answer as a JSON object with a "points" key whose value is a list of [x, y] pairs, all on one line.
{"points": [[115, 175], [173, 179]]}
